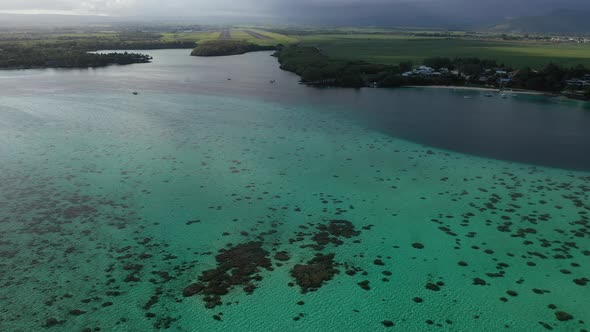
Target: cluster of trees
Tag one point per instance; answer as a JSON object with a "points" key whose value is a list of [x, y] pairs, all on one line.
{"points": [[36, 57], [227, 47], [316, 68], [552, 78]]}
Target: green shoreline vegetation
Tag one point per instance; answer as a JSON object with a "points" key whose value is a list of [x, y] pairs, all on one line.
{"points": [[316, 68], [227, 47]]}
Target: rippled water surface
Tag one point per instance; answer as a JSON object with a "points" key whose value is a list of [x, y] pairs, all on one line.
{"points": [[215, 200]]}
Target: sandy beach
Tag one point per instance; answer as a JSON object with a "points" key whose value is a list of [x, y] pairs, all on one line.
{"points": [[450, 87]]}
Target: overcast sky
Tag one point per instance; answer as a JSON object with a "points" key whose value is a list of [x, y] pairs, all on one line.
{"points": [[185, 8], [135, 7]]}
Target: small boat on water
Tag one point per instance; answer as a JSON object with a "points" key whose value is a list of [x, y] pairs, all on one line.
{"points": [[135, 93], [272, 81], [466, 97]]}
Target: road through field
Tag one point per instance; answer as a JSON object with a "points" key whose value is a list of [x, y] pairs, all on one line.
{"points": [[225, 34], [257, 35]]}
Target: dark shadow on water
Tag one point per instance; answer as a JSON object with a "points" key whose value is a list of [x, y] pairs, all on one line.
{"points": [[527, 129]]}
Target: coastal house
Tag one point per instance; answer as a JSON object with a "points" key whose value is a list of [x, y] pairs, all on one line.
{"points": [[577, 83], [421, 71], [424, 70]]}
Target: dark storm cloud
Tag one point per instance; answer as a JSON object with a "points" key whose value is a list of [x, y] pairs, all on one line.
{"points": [[442, 9]]}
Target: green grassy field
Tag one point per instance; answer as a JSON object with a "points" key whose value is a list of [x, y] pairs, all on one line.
{"points": [[190, 36], [392, 49], [237, 34]]}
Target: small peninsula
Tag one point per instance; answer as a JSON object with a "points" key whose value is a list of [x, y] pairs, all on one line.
{"points": [[227, 47]]}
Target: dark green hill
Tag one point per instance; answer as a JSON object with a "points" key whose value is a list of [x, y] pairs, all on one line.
{"points": [[557, 22]]}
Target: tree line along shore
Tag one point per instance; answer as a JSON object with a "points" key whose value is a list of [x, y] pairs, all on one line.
{"points": [[316, 68]]}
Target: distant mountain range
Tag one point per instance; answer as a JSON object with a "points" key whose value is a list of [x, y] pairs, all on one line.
{"points": [[562, 21]]}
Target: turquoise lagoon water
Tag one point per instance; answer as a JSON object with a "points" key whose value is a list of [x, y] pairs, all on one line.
{"points": [[111, 204]]}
